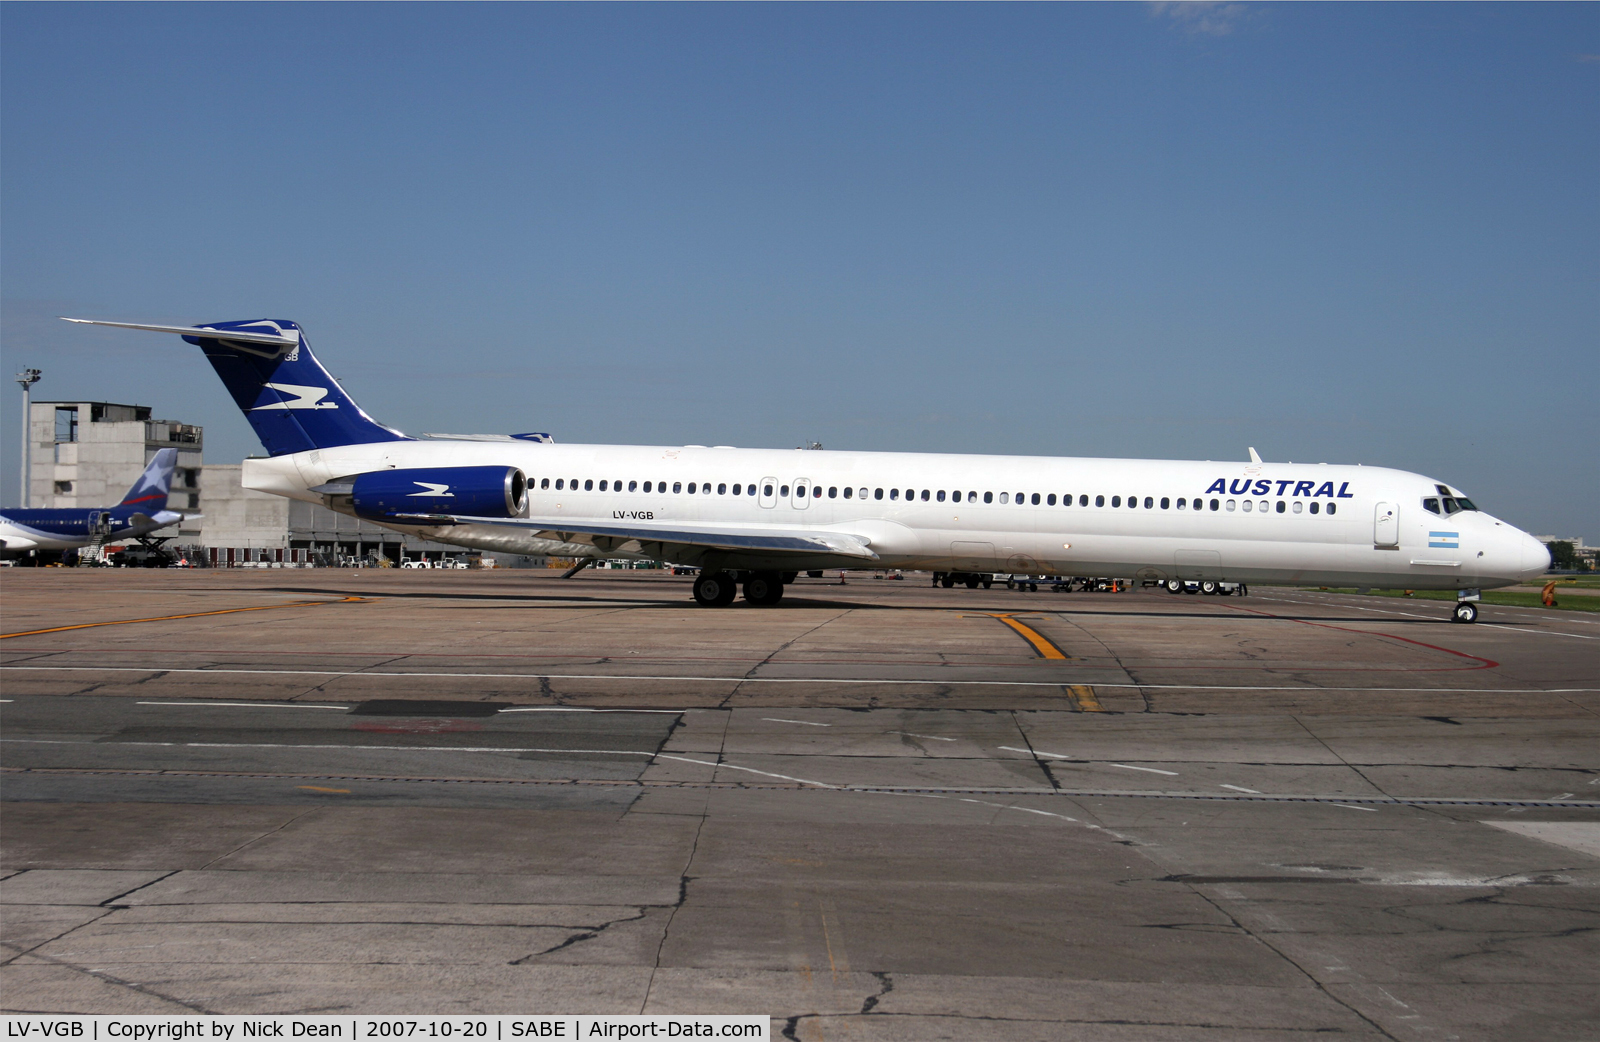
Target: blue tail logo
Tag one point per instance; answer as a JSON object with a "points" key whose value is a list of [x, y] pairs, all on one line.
{"points": [[293, 403]]}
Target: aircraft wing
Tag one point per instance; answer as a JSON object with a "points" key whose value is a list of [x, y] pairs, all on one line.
{"points": [[610, 537]]}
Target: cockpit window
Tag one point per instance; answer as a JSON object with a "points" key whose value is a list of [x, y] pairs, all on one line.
{"points": [[1431, 505], [1464, 503], [1450, 505]]}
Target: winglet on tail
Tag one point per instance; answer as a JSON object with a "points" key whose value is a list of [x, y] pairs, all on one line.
{"points": [[149, 493], [293, 403]]}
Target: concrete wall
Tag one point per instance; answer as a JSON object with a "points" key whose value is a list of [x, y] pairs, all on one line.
{"points": [[237, 516]]}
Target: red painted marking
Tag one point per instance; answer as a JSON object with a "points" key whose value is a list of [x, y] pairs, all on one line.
{"points": [[1487, 663]]}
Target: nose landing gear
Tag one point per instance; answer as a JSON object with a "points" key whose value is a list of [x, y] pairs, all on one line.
{"points": [[1466, 606]]}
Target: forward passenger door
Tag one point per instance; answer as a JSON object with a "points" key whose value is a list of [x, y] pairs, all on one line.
{"points": [[1386, 526]]}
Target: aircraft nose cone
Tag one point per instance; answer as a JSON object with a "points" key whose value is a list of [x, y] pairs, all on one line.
{"points": [[1535, 557]]}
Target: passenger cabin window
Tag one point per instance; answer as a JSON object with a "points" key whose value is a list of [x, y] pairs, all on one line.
{"points": [[1232, 504], [1149, 502], [722, 488], [677, 486], [924, 495], [1214, 504], [1166, 504], [877, 493], [1099, 501], [1298, 506], [1315, 506], [544, 483], [940, 496], [1281, 507], [766, 490], [1333, 508], [602, 486], [1183, 504], [559, 483], [1247, 506], [988, 497], [1050, 500], [1083, 501], [833, 492], [632, 485], [1116, 501], [1034, 499], [588, 484], [1005, 497]]}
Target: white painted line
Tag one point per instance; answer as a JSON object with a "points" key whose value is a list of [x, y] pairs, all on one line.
{"points": [[1547, 633], [1025, 810], [428, 749], [750, 770], [931, 737], [584, 709], [1438, 618], [780, 720], [5, 700], [246, 705], [1352, 806], [810, 680], [1034, 752], [1240, 788], [1152, 770], [1563, 796]]}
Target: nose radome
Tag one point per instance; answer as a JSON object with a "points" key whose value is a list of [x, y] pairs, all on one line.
{"points": [[1535, 557]]}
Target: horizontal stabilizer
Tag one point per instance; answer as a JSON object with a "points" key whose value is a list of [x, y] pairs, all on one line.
{"points": [[231, 334]]}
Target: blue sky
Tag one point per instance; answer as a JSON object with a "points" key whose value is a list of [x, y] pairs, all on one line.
{"points": [[1346, 233]]}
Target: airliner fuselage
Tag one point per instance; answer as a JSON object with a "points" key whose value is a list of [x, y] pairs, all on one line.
{"points": [[1245, 522]]}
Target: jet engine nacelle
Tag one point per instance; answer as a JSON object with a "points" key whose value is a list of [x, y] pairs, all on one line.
{"points": [[473, 491]]}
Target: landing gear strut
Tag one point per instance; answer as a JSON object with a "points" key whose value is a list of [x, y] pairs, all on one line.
{"points": [[714, 589]]}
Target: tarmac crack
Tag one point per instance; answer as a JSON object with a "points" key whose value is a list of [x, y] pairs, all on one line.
{"points": [[683, 897], [885, 986], [257, 839], [102, 975], [750, 674], [588, 934], [1281, 954]]}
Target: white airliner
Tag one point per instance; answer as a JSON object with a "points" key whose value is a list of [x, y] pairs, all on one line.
{"points": [[759, 516]]}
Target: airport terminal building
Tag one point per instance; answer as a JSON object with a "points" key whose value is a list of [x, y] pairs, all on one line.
{"points": [[88, 454]]}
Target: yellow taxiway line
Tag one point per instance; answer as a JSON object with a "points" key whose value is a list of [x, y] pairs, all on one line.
{"points": [[169, 618]]}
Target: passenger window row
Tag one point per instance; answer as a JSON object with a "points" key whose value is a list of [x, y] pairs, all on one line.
{"points": [[941, 495]]}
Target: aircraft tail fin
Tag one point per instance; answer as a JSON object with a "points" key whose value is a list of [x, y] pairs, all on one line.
{"points": [[293, 403], [149, 493]]}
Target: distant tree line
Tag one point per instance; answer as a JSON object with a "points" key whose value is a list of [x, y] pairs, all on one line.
{"points": [[1564, 556]]}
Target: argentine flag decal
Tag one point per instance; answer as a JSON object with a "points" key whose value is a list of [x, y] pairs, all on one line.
{"points": [[1444, 540]]}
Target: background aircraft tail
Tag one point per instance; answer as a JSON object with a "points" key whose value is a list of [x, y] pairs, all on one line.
{"points": [[149, 493]]}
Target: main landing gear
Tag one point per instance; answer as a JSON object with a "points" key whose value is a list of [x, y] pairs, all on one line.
{"points": [[717, 589]]}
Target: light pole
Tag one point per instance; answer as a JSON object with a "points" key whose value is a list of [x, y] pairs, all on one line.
{"points": [[27, 378]]}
